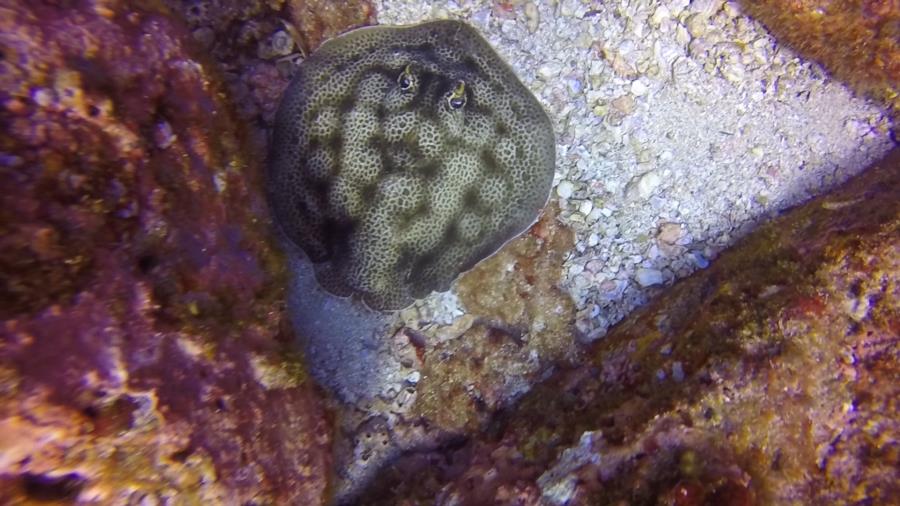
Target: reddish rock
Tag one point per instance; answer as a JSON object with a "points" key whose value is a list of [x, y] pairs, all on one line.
{"points": [[769, 378], [143, 353], [320, 20], [857, 40]]}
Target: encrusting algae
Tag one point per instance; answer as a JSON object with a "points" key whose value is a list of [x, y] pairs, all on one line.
{"points": [[761, 380]]}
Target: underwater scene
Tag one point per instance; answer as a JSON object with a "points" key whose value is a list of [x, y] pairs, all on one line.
{"points": [[465, 252]]}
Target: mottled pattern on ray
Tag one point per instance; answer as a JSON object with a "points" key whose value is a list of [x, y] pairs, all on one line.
{"points": [[402, 156]]}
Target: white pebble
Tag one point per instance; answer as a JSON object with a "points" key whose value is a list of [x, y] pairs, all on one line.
{"points": [[575, 85], [595, 215], [659, 15], [697, 25], [481, 17], [638, 88], [648, 277], [548, 71], [648, 183], [584, 40], [705, 8], [676, 6], [586, 207], [42, 97], [565, 189], [734, 73]]}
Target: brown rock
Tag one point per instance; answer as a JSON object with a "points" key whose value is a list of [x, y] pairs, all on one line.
{"points": [[320, 20], [509, 295], [777, 383], [142, 353], [669, 233], [857, 40]]}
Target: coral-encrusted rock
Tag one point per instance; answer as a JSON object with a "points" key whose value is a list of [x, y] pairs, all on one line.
{"points": [[512, 294], [142, 354], [858, 41], [257, 43], [769, 378]]}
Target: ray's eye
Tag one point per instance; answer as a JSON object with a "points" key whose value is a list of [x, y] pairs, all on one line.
{"points": [[405, 80], [457, 97]]}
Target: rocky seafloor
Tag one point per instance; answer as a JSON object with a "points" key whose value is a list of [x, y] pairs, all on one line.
{"points": [[147, 355]]}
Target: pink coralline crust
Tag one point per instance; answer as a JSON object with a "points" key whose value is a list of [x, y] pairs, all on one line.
{"points": [[769, 378], [143, 352]]}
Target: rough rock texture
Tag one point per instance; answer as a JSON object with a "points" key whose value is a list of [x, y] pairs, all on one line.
{"points": [[520, 321], [769, 378], [857, 40], [402, 156], [454, 378], [257, 43], [142, 352]]}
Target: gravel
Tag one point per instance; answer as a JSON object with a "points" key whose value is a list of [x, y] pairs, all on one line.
{"points": [[680, 126]]}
